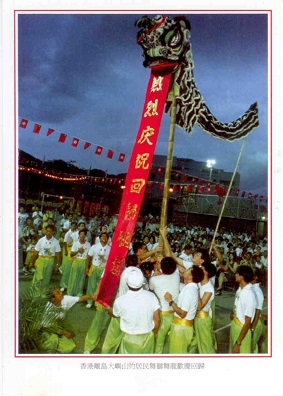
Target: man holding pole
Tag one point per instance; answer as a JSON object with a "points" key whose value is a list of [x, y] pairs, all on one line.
{"points": [[139, 313]]}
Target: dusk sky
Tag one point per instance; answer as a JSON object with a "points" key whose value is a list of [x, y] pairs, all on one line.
{"points": [[82, 75]]}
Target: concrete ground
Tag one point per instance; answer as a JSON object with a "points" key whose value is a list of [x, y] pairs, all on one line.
{"points": [[79, 318]]}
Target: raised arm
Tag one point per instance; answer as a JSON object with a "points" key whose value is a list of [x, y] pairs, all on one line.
{"points": [[217, 252], [146, 255], [174, 306], [33, 259], [168, 252]]}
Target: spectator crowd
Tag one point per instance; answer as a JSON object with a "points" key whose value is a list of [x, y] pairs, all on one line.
{"points": [[165, 302]]}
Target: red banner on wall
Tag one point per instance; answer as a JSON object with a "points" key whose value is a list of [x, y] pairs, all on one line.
{"points": [[136, 180]]}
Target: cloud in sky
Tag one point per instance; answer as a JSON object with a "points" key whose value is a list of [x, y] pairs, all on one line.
{"points": [[82, 74]]}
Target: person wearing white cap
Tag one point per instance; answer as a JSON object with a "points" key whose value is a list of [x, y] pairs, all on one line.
{"points": [[139, 313], [114, 334]]}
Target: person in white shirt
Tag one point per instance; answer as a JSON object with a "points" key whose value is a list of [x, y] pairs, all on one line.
{"points": [[152, 244], [131, 261], [257, 262], [67, 260], [71, 230], [37, 216], [239, 250], [77, 276], [22, 216], [30, 250], [187, 256], [257, 325], [95, 264], [67, 223], [75, 234], [103, 230], [28, 232], [203, 323], [46, 255], [54, 337], [139, 315], [182, 330], [168, 280], [114, 334], [244, 312]]}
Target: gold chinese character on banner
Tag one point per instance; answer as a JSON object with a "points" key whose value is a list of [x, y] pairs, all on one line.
{"points": [[131, 212], [117, 266], [145, 135], [124, 239], [157, 84], [141, 161], [151, 108], [137, 185]]}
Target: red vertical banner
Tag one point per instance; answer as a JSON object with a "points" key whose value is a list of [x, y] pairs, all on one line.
{"points": [[136, 180]]}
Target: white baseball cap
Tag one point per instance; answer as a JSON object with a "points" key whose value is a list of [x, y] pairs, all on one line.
{"points": [[135, 278]]}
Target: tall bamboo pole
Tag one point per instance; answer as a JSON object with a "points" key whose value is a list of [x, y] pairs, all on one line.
{"points": [[165, 200], [227, 194]]}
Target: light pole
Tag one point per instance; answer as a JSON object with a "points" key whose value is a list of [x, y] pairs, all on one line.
{"points": [[43, 195], [209, 164]]}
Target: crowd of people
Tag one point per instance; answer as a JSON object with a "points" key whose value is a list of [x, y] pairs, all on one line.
{"points": [[166, 295]]}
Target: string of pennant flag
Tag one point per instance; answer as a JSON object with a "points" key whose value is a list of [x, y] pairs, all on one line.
{"points": [[192, 184], [37, 128]]}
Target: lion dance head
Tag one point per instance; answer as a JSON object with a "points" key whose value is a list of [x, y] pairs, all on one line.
{"points": [[165, 41]]}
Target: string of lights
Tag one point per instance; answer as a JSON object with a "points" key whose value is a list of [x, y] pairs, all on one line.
{"points": [[193, 184]]}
